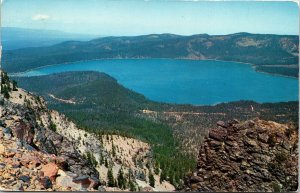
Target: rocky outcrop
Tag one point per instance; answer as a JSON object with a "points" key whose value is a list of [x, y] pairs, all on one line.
{"points": [[34, 156], [25, 168], [23, 125], [255, 155]]}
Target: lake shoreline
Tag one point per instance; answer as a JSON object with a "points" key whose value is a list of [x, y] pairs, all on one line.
{"points": [[101, 59], [194, 82]]}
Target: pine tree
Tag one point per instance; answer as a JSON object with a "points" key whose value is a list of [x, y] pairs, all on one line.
{"points": [[177, 178], [5, 92], [111, 180], [151, 180], [156, 170], [93, 160], [52, 126], [8, 86], [171, 176], [101, 159], [4, 78], [131, 184], [121, 179], [163, 176], [106, 163], [101, 140], [14, 85], [113, 149]]}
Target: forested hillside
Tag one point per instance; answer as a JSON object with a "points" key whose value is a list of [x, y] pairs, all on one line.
{"points": [[280, 51]]}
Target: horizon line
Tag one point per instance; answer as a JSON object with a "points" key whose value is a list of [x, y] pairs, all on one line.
{"points": [[133, 35]]}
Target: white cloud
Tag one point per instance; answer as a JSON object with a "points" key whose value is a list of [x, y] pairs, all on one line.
{"points": [[40, 17]]}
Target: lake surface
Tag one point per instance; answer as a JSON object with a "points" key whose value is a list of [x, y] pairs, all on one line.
{"points": [[188, 81]]}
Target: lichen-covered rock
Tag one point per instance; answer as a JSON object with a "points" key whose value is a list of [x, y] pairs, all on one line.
{"points": [[255, 155]]}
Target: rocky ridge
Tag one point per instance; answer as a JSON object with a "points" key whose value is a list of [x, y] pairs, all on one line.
{"points": [[254, 155], [65, 156], [32, 156]]}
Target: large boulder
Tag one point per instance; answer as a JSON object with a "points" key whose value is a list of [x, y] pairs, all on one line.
{"points": [[65, 180], [50, 170], [218, 134], [87, 182]]}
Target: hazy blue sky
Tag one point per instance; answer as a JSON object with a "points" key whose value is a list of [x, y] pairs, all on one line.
{"points": [[126, 17]]}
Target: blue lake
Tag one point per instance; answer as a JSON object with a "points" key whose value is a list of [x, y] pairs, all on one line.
{"points": [[188, 81]]}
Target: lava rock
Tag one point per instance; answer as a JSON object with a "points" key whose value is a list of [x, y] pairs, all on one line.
{"points": [[196, 179], [263, 137], [46, 182], [25, 178], [221, 124], [218, 134]]}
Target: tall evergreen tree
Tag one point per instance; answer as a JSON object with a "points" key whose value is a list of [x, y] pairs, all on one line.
{"points": [[111, 180], [106, 163], [131, 183], [5, 92], [101, 160], [163, 176], [113, 149], [151, 180], [14, 85], [121, 179]]}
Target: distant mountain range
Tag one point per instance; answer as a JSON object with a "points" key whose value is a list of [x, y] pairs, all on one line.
{"points": [[269, 53], [15, 38]]}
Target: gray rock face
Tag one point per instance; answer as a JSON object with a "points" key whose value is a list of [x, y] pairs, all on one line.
{"points": [[253, 156]]}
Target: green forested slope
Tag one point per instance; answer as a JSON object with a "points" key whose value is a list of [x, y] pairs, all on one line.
{"points": [[258, 49]]}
